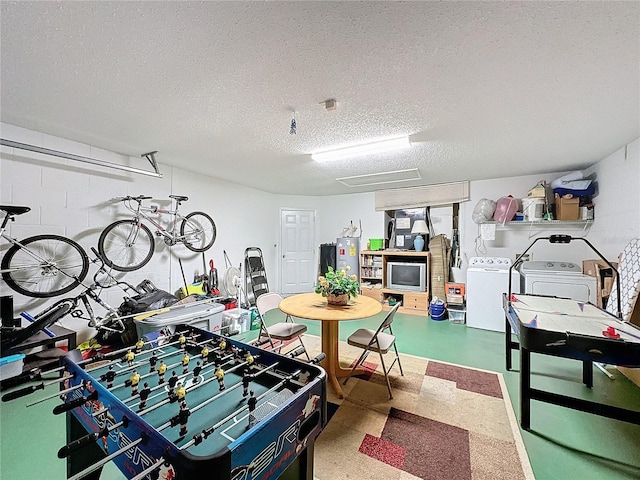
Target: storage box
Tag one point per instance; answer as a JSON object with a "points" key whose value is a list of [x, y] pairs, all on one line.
{"points": [[604, 275], [567, 208], [11, 366], [455, 299], [455, 288], [457, 314], [376, 244], [236, 320]]}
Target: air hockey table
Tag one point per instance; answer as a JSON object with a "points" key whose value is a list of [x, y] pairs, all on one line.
{"points": [[570, 329], [259, 421]]}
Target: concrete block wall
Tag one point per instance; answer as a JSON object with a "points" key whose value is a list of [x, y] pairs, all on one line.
{"points": [[74, 199]]}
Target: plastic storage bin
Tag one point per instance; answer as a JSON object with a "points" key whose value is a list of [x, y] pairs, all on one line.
{"points": [[236, 320], [11, 366], [457, 315]]}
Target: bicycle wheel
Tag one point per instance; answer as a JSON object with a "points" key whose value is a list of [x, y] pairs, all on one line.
{"points": [[126, 245], [198, 231], [45, 266]]}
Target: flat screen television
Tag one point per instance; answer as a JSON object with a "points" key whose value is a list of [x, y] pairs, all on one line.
{"points": [[407, 276]]}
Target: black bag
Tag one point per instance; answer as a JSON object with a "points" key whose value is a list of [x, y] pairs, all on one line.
{"points": [[146, 302]]}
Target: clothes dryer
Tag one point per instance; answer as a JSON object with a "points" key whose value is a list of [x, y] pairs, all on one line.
{"points": [[557, 279]]}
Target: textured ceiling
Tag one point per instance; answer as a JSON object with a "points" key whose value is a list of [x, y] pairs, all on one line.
{"points": [[484, 89]]}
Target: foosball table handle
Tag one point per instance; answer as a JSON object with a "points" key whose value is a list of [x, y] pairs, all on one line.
{"points": [[317, 359], [65, 407], [22, 392]]}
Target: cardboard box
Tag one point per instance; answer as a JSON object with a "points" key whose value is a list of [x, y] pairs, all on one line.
{"points": [[455, 288], [567, 208]]}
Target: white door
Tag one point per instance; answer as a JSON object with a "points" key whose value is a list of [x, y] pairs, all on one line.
{"points": [[298, 266]]}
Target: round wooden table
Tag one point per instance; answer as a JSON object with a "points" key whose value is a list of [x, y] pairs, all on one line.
{"points": [[313, 306]]}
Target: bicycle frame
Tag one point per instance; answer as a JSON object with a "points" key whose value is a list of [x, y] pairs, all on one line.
{"points": [[169, 233]]}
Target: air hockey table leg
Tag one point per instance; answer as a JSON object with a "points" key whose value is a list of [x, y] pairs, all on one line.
{"points": [[87, 456], [525, 388]]}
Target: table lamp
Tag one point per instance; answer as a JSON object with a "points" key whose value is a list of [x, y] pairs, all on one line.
{"points": [[419, 228]]}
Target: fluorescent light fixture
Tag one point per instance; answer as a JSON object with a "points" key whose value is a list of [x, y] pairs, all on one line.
{"points": [[364, 149]]}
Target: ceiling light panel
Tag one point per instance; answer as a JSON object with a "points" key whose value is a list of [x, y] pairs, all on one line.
{"points": [[381, 178], [363, 149]]}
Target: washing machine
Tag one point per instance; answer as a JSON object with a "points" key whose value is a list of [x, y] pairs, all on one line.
{"points": [[487, 280], [557, 279]]}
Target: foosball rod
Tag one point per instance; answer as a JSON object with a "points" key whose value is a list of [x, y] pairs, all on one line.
{"points": [[180, 378], [226, 391], [197, 439], [23, 392], [88, 439], [107, 459], [57, 394], [167, 400], [144, 473]]}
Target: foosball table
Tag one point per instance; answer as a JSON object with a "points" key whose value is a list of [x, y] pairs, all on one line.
{"points": [[190, 405]]}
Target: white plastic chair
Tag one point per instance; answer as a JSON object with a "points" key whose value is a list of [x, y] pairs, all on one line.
{"points": [[281, 331], [377, 341]]}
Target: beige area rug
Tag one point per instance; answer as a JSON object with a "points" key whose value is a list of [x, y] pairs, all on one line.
{"points": [[444, 422]]}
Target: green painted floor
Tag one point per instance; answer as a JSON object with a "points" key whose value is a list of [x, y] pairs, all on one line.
{"points": [[563, 443]]}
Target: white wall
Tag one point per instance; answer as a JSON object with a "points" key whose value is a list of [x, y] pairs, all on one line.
{"points": [[73, 199]]}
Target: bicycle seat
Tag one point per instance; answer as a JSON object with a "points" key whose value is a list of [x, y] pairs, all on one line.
{"points": [[14, 209], [179, 198]]}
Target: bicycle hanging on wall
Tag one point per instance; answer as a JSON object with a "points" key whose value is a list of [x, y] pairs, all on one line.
{"points": [[41, 266], [127, 245]]}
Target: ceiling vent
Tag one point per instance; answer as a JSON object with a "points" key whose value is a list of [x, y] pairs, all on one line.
{"points": [[381, 178], [426, 196]]}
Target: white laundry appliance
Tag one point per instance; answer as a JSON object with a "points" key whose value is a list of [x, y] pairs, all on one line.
{"points": [[557, 279], [487, 281]]}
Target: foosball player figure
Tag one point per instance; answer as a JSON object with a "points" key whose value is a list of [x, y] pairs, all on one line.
{"points": [[173, 379], [249, 358], [246, 379], [183, 417], [185, 363], [205, 355], [219, 373], [129, 356], [109, 376], [144, 394], [222, 345], [303, 377], [135, 380], [139, 345], [183, 341], [252, 402], [153, 359], [181, 392], [162, 368], [196, 372]]}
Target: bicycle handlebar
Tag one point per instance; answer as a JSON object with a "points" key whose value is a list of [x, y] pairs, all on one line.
{"points": [[138, 199]]}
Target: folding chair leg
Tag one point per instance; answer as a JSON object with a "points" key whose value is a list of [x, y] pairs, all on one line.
{"points": [[305, 349], [398, 358], [360, 360], [386, 377]]}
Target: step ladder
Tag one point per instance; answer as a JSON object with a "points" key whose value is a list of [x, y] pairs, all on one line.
{"points": [[255, 274]]}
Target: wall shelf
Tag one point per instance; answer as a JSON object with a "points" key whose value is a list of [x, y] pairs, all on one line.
{"points": [[546, 223]]}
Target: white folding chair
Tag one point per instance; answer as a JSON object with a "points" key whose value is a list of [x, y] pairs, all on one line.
{"points": [[281, 331], [377, 341]]}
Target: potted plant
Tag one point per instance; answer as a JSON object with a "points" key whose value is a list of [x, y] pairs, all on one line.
{"points": [[338, 286]]}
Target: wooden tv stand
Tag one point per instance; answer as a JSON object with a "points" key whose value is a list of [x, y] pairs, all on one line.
{"points": [[373, 269]]}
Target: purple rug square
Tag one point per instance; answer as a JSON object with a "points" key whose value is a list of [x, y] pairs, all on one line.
{"points": [[384, 451]]}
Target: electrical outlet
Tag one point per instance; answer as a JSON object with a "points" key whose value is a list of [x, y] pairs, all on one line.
{"points": [[527, 258]]}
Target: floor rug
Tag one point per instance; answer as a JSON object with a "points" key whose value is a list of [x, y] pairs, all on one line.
{"points": [[444, 422]]}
